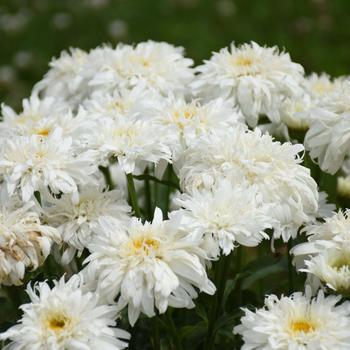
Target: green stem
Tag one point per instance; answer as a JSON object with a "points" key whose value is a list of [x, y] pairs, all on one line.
{"points": [[148, 197], [261, 281], [290, 268], [174, 332], [14, 294], [154, 179], [132, 195], [156, 338], [167, 190], [37, 197], [214, 313], [107, 175], [238, 270]]}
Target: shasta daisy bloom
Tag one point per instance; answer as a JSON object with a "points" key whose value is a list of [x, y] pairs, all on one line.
{"points": [[76, 217], [25, 241], [328, 137], [319, 85], [36, 118], [132, 141], [226, 216], [30, 164], [295, 112], [65, 317], [332, 268], [255, 78], [155, 65], [334, 232], [42, 117], [188, 120], [298, 322], [121, 103], [147, 265], [248, 156], [67, 78]]}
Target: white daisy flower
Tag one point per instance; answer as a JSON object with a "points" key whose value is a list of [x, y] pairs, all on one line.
{"points": [[37, 117], [248, 156], [319, 85], [188, 120], [293, 114], [328, 137], [35, 163], [132, 141], [25, 242], [334, 232], [226, 215], [297, 322], [121, 103], [147, 265], [65, 317], [255, 78], [42, 117], [295, 111], [67, 77], [155, 65], [332, 268], [76, 218]]}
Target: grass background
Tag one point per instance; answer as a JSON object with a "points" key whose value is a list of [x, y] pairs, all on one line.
{"points": [[315, 32]]}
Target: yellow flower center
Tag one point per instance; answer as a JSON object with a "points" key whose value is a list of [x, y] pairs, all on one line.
{"points": [[341, 262], [57, 322], [322, 88], [145, 62], [302, 326], [244, 61], [125, 132], [43, 132], [145, 245]]}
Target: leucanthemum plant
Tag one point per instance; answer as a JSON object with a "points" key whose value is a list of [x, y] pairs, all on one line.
{"points": [[297, 322], [139, 190], [65, 317]]}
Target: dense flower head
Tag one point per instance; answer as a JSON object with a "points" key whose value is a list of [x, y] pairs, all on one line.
{"points": [[38, 117], [248, 156], [328, 137], [325, 256], [25, 241], [297, 111], [76, 217], [256, 78], [333, 232], [132, 141], [332, 268], [155, 65], [34, 163], [189, 120], [298, 322], [223, 215], [67, 77], [65, 317], [147, 265], [121, 103]]}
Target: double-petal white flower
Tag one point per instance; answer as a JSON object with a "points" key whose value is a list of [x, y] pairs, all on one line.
{"points": [[149, 265]]}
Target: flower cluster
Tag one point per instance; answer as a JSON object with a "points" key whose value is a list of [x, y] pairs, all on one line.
{"points": [[87, 173]]}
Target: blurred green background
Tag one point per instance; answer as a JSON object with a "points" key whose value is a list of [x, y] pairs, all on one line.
{"points": [[315, 32]]}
